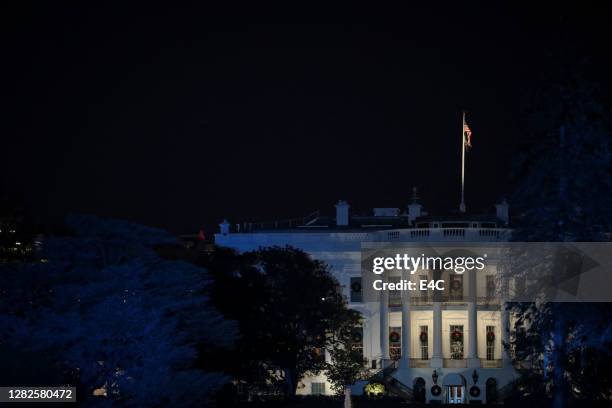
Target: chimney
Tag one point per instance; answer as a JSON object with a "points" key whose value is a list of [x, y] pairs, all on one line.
{"points": [[414, 208], [502, 211], [342, 213], [224, 227]]}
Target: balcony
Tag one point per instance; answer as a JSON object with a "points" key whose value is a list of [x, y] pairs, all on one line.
{"points": [[444, 234], [452, 363], [421, 300], [456, 299], [490, 363], [489, 300], [395, 301], [418, 363]]}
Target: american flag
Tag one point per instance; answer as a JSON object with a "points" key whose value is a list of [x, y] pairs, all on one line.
{"points": [[467, 135]]}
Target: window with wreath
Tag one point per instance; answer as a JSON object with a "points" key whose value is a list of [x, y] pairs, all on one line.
{"points": [[356, 290], [456, 342], [424, 342], [456, 288], [395, 343], [490, 342]]}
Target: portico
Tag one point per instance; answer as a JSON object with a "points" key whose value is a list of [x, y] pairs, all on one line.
{"points": [[435, 331]]}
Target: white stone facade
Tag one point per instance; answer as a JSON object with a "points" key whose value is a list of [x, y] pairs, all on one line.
{"points": [[475, 318]]}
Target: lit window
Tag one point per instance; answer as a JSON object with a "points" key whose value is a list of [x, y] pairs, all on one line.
{"points": [[490, 342], [317, 388]]}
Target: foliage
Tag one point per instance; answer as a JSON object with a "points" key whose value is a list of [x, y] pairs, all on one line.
{"points": [[114, 319], [374, 389], [564, 183], [346, 365], [563, 194], [286, 304]]}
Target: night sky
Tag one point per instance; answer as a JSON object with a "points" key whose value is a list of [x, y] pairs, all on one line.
{"points": [[178, 117]]}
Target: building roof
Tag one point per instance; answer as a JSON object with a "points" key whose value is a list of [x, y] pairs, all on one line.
{"points": [[316, 223]]}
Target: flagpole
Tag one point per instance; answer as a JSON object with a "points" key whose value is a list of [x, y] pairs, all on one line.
{"points": [[462, 205]]}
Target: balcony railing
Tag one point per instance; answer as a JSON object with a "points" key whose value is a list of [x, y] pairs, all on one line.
{"points": [[444, 234], [488, 300], [418, 363], [395, 302], [484, 363], [428, 300], [421, 300], [452, 363]]}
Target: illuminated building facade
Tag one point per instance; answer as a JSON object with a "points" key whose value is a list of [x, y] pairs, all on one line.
{"points": [[447, 349]]}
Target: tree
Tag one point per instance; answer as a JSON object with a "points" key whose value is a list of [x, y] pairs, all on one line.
{"points": [[346, 366], [113, 318], [563, 195], [286, 304], [17, 237]]}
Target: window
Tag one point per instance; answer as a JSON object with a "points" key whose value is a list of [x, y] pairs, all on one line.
{"points": [[423, 340], [318, 354], [490, 342], [456, 287], [424, 293], [456, 342], [395, 342], [356, 291], [395, 296], [490, 286], [317, 388]]}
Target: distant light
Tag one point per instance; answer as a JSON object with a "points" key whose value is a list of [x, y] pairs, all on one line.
{"points": [[17, 243], [323, 299]]}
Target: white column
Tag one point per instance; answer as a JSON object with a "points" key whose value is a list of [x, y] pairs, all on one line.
{"points": [[405, 360], [472, 357], [505, 318], [505, 331], [384, 325], [436, 357]]}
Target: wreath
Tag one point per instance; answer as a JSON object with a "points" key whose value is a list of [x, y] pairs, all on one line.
{"points": [[490, 336], [456, 285], [475, 391], [436, 390], [457, 335], [357, 337], [394, 337], [423, 336], [356, 287]]}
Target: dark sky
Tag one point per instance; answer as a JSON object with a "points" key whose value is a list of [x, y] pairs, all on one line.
{"points": [[177, 117]]}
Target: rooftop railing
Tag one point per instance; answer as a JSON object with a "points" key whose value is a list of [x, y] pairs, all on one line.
{"points": [[373, 235], [443, 234]]}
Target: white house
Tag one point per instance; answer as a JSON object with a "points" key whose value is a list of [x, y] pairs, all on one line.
{"points": [[447, 350]]}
